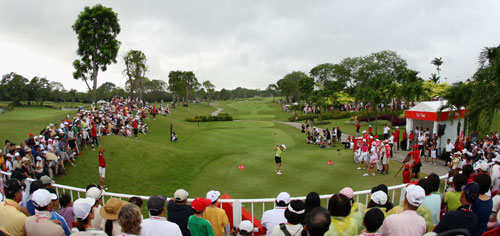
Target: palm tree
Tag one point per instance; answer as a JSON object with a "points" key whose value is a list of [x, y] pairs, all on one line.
{"points": [[458, 96], [437, 62]]}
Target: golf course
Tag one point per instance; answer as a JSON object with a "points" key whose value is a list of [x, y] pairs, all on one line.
{"points": [[208, 154]]}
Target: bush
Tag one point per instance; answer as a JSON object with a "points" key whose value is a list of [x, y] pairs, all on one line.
{"points": [[325, 116], [219, 117]]}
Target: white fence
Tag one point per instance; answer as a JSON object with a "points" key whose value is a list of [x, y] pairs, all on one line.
{"points": [[254, 206]]}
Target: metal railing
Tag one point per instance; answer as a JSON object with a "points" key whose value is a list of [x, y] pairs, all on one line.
{"points": [[256, 207]]}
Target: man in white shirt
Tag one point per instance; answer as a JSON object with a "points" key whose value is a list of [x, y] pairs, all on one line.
{"points": [[276, 216], [449, 150], [157, 224], [495, 175], [386, 132]]}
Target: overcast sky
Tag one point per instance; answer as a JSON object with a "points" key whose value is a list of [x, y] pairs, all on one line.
{"points": [[236, 43]]}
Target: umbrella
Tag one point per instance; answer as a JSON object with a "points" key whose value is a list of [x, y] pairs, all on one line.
{"points": [[51, 156], [101, 101]]}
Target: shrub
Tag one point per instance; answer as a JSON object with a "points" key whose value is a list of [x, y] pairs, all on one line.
{"points": [[219, 117]]}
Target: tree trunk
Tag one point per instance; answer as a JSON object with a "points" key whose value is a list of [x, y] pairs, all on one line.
{"points": [[94, 87]]}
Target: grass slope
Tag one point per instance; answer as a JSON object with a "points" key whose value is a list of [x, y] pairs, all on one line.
{"points": [[207, 155]]}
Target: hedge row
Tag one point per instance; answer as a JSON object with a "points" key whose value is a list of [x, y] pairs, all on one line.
{"points": [[219, 117], [362, 117], [325, 116], [396, 120]]}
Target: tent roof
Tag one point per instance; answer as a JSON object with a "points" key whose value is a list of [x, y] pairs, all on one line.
{"points": [[430, 106]]}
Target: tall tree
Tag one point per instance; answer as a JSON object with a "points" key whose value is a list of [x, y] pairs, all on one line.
{"points": [[289, 85], [306, 87], [272, 88], [96, 28], [458, 96], [437, 61], [209, 89], [14, 87], [190, 82], [38, 90], [135, 70], [176, 85], [56, 90]]}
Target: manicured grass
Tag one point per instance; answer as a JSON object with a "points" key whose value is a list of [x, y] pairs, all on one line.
{"points": [[207, 157], [17, 124]]}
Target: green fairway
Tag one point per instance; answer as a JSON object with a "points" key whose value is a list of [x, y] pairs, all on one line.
{"points": [[207, 155], [17, 124]]}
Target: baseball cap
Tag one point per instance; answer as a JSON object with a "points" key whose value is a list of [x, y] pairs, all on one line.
{"points": [[95, 193], [283, 196], [471, 191], [348, 192], [379, 197], [46, 180], [213, 195], [156, 204], [483, 166], [283, 146], [246, 226], [415, 195], [42, 197], [30, 134], [17, 154], [180, 195], [199, 204], [25, 159]]}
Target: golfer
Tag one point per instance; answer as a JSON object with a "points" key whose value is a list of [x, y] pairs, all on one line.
{"points": [[279, 150], [102, 168]]}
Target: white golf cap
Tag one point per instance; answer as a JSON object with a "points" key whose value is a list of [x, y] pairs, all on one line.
{"points": [[415, 195], [246, 226], [483, 166], [283, 196], [283, 145], [82, 207], [497, 159], [379, 197], [42, 197], [213, 195], [95, 193]]}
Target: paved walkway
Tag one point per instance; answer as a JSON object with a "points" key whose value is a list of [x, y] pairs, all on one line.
{"points": [[399, 156], [216, 112]]}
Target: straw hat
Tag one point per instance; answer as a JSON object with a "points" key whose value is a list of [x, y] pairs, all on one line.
{"points": [[110, 210]]}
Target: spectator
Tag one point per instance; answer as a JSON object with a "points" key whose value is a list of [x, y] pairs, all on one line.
{"points": [[157, 224], [355, 206], [312, 201], [495, 175], [33, 187], [55, 215], [179, 211], [317, 222], [109, 213], [378, 199], [452, 198], [129, 218], [216, 216], [483, 205], [244, 229], [372, 221], [398, 224], [339, 207], [382, 187], [295, 215], [463, 217], [84, 214], [12, 220], [136, 201], [276, 216], [46, 181], [66, 209], [40, 223], [96, 193], [196, 224], [431, 201]]}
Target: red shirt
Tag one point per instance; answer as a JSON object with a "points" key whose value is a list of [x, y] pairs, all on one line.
{"points": [[93, 131], [135, 124], [416, 156], [102, 162], [405, 135], [387, 150], [412, 136], [358, 126], [396, 135], [370, 130]]}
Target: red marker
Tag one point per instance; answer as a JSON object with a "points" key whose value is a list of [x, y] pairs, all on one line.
{"points": [[330, 162], [241, 167]]}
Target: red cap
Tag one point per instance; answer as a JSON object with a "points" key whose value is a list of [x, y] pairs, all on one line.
{"points": [[199, 204], [415, 146], [31, 134]]}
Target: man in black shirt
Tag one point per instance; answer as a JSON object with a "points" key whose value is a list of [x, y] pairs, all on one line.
{"points": [[463, 217], [179, 211]]}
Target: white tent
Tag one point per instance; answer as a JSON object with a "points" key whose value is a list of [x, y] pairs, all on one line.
{"points": [[428, 115]]}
